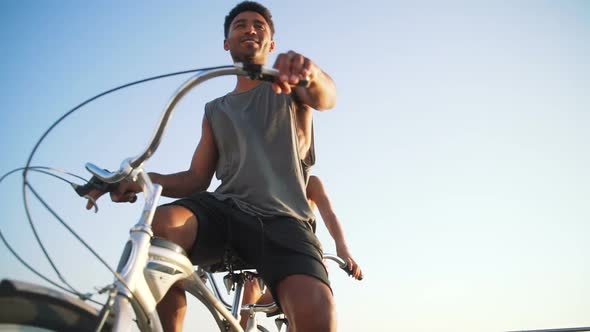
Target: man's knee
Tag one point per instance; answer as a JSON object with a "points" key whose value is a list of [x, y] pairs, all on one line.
{"points": [[175, 223], [162, 220]]}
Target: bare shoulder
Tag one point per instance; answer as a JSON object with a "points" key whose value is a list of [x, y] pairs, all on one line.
{"points": [[315, 186], [314, 180]]}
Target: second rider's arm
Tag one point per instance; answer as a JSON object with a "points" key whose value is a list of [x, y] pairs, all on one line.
{"points": [[317, 193]]}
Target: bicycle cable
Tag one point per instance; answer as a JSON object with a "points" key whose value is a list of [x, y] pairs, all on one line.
{"points": [[88, 247], [26, 184], [45, 170]]}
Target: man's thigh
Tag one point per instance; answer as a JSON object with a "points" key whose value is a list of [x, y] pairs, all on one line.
{"points": [[307, 302], [290, 248], [211, 231], [176, 224]]}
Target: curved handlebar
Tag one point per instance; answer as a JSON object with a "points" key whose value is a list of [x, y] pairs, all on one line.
{"points": [[341, 262], [253, 71]]}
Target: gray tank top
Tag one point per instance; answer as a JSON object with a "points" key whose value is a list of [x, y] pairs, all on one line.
{"points": [[259, 164]]}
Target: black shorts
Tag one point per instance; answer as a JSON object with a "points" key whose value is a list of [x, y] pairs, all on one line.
{"points": [[275, 246]]}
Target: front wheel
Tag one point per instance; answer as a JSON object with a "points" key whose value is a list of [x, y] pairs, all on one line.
{"points": [[28, 307]]}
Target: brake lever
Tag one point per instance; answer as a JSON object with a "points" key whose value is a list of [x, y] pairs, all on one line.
{"points": [[92, 184], [93, 201]]}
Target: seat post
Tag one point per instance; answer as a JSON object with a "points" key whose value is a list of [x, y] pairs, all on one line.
{"points": [[238, 279]]}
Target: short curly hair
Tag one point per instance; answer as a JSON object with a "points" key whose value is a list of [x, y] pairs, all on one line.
{"points": [[248, 6]]}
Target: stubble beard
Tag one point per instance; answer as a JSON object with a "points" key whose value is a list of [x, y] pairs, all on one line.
{"points": [[249, 58], [254, 56]]}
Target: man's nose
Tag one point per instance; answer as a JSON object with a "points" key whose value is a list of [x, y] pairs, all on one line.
{"points": [[250, 29]]}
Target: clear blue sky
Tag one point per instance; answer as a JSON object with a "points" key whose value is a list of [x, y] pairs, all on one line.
{"points": [[456, 157]]}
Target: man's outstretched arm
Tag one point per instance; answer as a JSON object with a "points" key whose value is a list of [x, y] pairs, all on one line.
{"points": [[320, 94]]}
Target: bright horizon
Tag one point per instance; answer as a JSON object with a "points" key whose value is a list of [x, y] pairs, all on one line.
{"points": [[456, 156]]}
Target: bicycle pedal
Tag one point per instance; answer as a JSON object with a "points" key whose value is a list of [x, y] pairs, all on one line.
{"points": [[279, 322], [229, 283]]}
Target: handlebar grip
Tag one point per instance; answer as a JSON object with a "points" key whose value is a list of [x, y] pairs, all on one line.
{"points": [[271, 74], [96, 183], [262, 73], [349, 271]]}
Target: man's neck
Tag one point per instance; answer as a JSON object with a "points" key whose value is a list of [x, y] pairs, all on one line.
{"points": [[244, 84]]}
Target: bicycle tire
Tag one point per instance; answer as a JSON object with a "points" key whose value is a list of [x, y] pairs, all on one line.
{"points": [[29, 307]]}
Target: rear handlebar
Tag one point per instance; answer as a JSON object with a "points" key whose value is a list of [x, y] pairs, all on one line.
{"points": [[341, 263]]}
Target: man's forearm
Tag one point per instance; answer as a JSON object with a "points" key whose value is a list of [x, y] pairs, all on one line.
{"points": [[335, 229], [321, 93], [181, 184]]}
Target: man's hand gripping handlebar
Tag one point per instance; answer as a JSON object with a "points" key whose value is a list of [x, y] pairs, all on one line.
{"points": [[95, 188]]}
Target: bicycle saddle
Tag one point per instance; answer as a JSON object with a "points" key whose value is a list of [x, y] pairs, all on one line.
{"points": [[229, 262], [163, 243]]}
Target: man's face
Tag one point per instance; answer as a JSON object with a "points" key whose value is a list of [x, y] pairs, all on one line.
{"points": [[249, 38]]}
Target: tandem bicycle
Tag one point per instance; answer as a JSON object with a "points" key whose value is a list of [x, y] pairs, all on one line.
{"points": [[148, 265]]}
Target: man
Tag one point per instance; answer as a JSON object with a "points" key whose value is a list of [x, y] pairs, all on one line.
{"points": [[316, 195], [256, 139]]}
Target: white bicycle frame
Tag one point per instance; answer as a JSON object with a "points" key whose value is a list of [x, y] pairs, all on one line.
{"points": [[146, 271]]}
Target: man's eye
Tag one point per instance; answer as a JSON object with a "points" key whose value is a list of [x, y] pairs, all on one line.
{"points": [[260, 27]]}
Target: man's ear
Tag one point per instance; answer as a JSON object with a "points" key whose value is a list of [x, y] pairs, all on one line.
{"points": [[225, 45], [272, 46]]}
